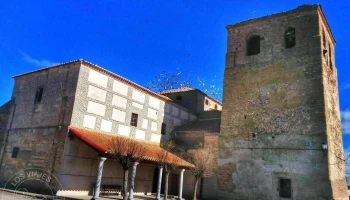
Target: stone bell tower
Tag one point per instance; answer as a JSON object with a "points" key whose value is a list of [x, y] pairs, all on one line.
{"points": [[280, 105]]}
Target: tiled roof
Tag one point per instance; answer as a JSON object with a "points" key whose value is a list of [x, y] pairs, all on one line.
{"points": [[104, 71], [209, 126], [101, 141], [186, 89], [182, 89]]}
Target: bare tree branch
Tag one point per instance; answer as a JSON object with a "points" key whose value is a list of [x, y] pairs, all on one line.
{"points": [[204, 161], [167, 80], [126, 151], [169, 163]]}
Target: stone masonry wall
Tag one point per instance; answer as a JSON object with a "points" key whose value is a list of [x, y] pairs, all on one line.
{"points": [[273, 118], [39, 130], [5, 115], [336, 163]]}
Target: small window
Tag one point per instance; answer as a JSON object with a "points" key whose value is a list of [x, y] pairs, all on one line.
{"points": [[216, 107], [253, 45], [330, 57], [324, 45], [289, 38], [179, 97], [206, 102], [163, 128], [133, 121], [285, 188], [15, 152], [39, 94]]}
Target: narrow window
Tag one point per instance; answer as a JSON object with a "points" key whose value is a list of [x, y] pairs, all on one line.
{"points": [[330, 57], [289, 38], [163, 128], [39, 94], [15, 152], [253, 45], [206, 102], [285, 188], [133, 121], [324, 45], [179, 97], [216, 107]]}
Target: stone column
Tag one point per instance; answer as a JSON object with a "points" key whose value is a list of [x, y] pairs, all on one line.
{"points": [[181, 180], [132, 184], [159, 186], [101, 160]]}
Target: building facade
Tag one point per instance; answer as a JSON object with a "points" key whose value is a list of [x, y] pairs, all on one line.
{"points": [[280, 104], [278, 136], [193, 99], [47, 103]]}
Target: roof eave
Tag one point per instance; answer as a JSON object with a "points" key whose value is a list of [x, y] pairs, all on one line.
{"points": [[323, 17]]}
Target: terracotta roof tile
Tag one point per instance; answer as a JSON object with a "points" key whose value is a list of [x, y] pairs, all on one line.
{"points": [[186, 89], [100, 142], [104, 71], [182, 89]]}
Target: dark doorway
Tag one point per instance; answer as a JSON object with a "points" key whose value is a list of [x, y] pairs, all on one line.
{"points": [[174, 184], [155, 180], [285, 188]]}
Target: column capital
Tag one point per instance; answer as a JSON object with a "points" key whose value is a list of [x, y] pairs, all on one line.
{"points": [[136, 162], [160, 166], [102, 159], [182, 170]]}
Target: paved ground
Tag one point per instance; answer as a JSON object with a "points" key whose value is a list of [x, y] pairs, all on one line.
{"points": [[8, 195], [112, 197], [4, 195]]}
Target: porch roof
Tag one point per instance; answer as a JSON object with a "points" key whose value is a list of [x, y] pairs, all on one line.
{"points": [[100, 142]]}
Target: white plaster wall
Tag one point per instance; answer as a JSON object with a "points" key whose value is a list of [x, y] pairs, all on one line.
{"points": [[119, 101], [140, 134], [137, 105], [138, 96], [118, 115], [97, 93], [98, 78], [123, 130], [80, 168], [89, 121], [155, 138], [106, 126], [144, 123], [154, 126], [153, 114], [120, 88], [153, 102], [96, 108]]}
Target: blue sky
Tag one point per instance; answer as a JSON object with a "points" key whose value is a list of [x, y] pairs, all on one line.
{"points": [[137, 39]]}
